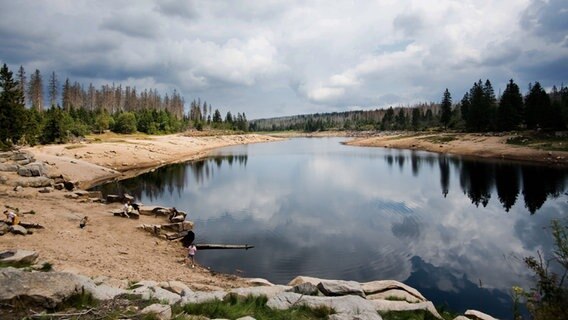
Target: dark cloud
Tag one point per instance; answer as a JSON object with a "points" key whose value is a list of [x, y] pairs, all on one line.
{"points": [[548, 72], [409, 23], [547, 19], [133, 25], [178, 8]]}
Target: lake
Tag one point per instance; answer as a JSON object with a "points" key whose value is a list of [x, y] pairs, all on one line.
{"points": [[455, 229]]}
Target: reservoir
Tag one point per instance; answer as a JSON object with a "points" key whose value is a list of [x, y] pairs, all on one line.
{"points": [[455, 229]]}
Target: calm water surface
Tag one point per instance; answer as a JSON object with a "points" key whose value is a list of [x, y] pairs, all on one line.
{"points": [[454, 229]]}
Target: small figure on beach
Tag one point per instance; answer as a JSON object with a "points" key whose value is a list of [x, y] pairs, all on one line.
{"points": [[83, 222], [127, 208], [12, 217], [191, 250]]}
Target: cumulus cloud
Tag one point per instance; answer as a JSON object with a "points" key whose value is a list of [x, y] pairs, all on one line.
{"points": [[287, 57]]}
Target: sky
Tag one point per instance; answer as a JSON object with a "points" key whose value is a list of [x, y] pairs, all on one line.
{"points": [[275, 58]]}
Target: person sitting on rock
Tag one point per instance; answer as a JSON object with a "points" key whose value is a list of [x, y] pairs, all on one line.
{"points": [[13, 218], [127, 209], [83, 222]]}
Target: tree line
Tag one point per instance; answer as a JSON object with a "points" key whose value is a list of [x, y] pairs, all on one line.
{"points": [[24, 118], [478, 111]]}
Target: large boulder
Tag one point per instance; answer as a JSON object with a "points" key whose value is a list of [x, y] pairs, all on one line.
{"points": [[303, 279], [387, 305], [160, 311], [478, 315], [349, 307], [260, 291], [44, 289], [394, 294], [18, 256], [340, 288], [8, 167], [202, 296], [99, 292], [306, 289], [151, 290], [176, 287], [4, 228], [31, 170], [34, 182], [385, 285]]}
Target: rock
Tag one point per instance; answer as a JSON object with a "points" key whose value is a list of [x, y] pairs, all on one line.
{"points": [[45, 289], [306, 289], [200, 297], [4, 228], [153, 291], [162, 312], [269, 292], [259, 282], [360, 316], [99, 292], [397, 294], [31, 170], [387, 305], [18, 188], [35, 182], [340, 288], [461, 318], [18, 256], [302, 279], [176, 287], [59, 186], [349, 307], [128, 197], [3, 179], [20, 155], [478, 315], [384, 285], [111, 282], [46, 190], [246, 318], [17, 229], [8, 167]]}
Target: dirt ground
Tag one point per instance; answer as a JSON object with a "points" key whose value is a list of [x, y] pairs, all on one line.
{"points": [[108, 245], [469, 145]]}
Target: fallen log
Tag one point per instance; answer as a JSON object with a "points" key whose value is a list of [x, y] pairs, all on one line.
{"points": [[211, 246]]}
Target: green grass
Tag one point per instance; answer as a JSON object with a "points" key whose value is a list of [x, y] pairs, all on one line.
{"points": [[540, 141], [441, 138], [233, 308]]}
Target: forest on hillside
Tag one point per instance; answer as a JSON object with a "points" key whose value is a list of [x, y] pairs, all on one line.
{"points": [[478, 111], [75, 111]]}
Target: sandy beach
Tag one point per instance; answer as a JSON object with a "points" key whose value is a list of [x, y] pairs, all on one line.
{"points": [[111, 246]]}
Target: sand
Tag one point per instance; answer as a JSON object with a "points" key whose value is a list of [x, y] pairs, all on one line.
{"points": [[108, 245], [468, 145]]}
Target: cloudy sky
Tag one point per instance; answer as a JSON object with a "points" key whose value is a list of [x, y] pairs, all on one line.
{"points": [[274, 58]]}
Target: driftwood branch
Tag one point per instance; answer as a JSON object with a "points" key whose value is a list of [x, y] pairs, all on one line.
{"points": [[61, 315], [210, 246]]}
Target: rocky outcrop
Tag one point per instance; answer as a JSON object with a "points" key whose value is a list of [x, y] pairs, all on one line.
{"points": [[346, 307], [51, 288]]}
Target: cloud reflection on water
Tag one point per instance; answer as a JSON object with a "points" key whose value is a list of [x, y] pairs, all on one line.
{"points": [[315, 207]]}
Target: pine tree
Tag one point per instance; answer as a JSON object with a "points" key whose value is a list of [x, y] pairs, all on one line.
{"points": [[537, 107], [510, 108], [53, 90], [415, 118], [446, 109], [12, 110], [22, 81]]}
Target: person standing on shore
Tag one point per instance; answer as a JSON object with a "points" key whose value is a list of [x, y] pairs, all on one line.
{"points": [[191, 250]]}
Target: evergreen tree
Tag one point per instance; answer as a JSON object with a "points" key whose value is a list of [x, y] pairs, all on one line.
{"points": [[217, 116], [538, 109], [12, 110], [415, 118], [401, 120], [22, 81], [465, 106], [229, 118], [446, 109], [53, 89], [510, 108]]}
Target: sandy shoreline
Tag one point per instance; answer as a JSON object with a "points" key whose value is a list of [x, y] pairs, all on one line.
{"points": [[111, 246]]}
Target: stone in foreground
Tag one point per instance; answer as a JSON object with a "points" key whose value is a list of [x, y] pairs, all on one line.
{"points": [[162, 312]]}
